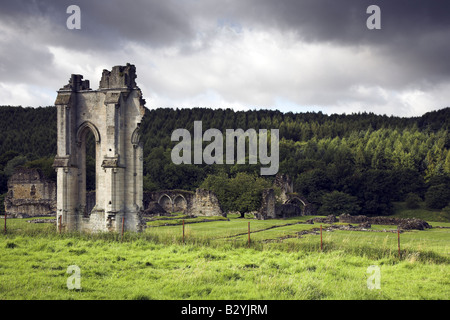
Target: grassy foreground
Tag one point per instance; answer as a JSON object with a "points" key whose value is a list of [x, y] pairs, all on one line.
{"points": [[216, 262]]}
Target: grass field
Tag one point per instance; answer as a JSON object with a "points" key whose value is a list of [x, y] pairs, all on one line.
{"points": [[216, 262], [401, 211]]}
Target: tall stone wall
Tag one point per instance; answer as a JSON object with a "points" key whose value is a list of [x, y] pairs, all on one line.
{"points": [[286, 186], [268, 205], [30, 194], [205, 203], [112, 113], [286, 204]]}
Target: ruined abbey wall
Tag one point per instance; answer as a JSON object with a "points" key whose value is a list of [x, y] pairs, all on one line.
{"points": [[200, 203], [30, 194], [112, 114], [284, 205], [206, 204]]}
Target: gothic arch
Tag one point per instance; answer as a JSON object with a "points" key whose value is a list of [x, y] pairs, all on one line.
{"points": [[179, 204], [164, 195], [82, 129], [166, 206], [296, 199], [135, 137]]}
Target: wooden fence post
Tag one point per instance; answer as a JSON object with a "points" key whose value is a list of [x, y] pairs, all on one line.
{"points": [[321, 243], [249, 233], [5, 222], [398, 241], [183, 231]]}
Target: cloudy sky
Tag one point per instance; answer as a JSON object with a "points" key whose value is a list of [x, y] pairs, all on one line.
{"points": [[291, 55]]}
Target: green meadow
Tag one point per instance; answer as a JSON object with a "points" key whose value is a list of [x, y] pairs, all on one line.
{"points": [[214, 260]]}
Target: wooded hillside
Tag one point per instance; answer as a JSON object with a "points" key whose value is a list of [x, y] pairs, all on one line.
{"points": [[363, 159]]}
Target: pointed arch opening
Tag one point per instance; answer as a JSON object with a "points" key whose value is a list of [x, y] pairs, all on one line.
{"points": [[166, 202], [88, 139]]}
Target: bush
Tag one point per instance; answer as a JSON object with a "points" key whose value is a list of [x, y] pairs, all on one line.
{"points": [[241, 193], [445, 213], [437, 197], [45, 165], [412, 201], [337, 203]]}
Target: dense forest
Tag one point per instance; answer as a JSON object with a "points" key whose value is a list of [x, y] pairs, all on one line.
{"points": [[360, 162]]}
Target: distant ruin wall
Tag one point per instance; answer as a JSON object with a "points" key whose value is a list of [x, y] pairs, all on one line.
{"points": [[286, 186], [205, 204], [200, 203], [403, 223], [30, 194], [288, 210], [286, 204], [268, 204]]}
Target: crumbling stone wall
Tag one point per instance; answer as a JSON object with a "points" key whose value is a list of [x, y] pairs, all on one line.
{"points": [[403, 223], [286, 204], [205, 203], [200, 203], [30, 194], [286, 186], [167, 201], [268, 205], [288, 210]]}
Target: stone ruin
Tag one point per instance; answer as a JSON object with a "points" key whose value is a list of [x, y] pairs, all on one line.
{"points": [[112, 114], [286, 204], [30, 194], [199, 203], [402, 223]]}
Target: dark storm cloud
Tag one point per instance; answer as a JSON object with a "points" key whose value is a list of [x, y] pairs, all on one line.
{"points": [[30, 28], [160, 23], [410, 51], [415, 33], [344, 21], [105, 24]]}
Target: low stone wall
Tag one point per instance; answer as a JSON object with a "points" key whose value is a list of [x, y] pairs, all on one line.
{"points": [[153, 208], [288, 210], [328, 219], [406, 224], [201, 203]]}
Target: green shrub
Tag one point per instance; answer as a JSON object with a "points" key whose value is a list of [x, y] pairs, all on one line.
{"points": [[337, 203], [437, 197], [412, 201]]}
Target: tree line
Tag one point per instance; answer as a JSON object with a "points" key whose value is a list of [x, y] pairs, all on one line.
{"points": [[358, 163]]}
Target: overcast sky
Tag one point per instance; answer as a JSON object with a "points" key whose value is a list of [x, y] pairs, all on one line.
{"points": [[291, 55]]}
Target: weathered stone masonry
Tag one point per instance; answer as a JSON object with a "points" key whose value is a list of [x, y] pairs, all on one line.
{"points": [[30, 194], [286, 204], [113, 114], [199, 203]]}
